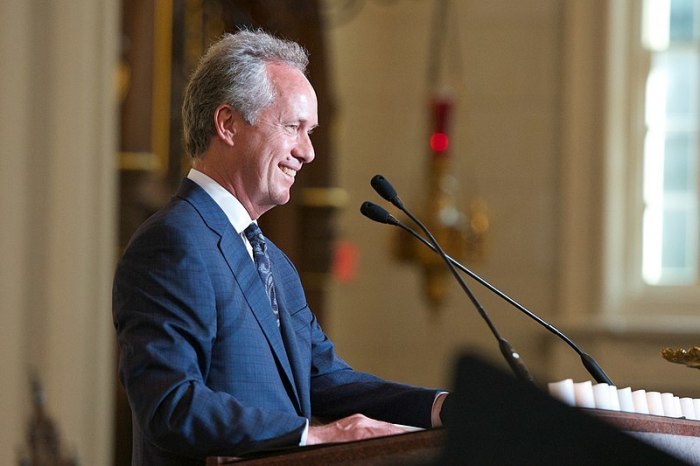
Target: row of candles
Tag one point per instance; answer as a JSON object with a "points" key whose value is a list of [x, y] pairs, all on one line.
{"points": [[604, 396]]}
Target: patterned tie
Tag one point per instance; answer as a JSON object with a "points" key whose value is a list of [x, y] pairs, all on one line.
{"points": [[262, 262]]}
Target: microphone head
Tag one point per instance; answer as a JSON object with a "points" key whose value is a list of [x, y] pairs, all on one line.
{"points": [[378, 214], [386, 190]]}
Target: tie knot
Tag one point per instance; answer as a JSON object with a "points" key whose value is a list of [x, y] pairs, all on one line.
{"points": [[254, 234]]}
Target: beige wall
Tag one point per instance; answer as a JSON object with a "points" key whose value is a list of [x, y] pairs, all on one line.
{"points": [[505, 149], [531, 139], [57, 204]]}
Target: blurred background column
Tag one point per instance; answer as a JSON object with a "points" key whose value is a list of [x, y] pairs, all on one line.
{"points": [[57, 185]]}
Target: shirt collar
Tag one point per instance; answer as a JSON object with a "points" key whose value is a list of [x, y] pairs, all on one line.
{"points": [[234, 210]]}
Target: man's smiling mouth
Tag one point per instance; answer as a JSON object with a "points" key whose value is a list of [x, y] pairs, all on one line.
{"points": [[289, 171]]}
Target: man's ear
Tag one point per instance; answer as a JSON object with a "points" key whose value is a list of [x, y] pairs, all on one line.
{"points": [[225, 123]]}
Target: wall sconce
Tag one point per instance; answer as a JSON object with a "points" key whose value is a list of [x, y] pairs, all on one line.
{"points": [[462, 235]]}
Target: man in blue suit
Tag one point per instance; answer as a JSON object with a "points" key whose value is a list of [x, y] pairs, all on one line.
{"points": [[214, 362]]}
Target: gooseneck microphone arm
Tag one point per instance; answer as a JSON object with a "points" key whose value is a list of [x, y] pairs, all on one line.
{"points": [[378, 214], [513, 359]]}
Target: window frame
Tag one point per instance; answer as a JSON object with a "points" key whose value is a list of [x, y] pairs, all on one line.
{"points": [[604, 78], [638, 296]]}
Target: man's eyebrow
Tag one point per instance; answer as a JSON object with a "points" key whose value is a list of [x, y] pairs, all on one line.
{"points": [[305, 122]]}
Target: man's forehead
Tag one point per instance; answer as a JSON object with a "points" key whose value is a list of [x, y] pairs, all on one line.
{"points": [[279, 70]]}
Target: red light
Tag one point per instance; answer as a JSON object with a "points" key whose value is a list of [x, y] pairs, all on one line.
{"points": [[439, 142]]}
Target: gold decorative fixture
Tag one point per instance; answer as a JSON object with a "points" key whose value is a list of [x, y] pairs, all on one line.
{"points": [[462, 235], [689, 357]]}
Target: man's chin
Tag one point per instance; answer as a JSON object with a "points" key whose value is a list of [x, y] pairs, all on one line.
{"points": [[282, 198]]}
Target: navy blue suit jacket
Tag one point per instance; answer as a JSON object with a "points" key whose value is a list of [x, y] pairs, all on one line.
{"points": [[205, 367]]}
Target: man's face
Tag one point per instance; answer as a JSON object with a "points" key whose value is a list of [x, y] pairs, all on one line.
{"points": [[273, 149]]}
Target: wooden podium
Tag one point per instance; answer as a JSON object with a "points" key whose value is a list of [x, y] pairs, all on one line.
{"points": [[422, 447], [677, 436], [495, 419]]}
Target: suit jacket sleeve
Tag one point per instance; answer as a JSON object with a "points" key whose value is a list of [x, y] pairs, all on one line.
{"points": [[338, 391]]}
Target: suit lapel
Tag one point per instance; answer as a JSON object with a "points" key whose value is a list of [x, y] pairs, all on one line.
{"points": [[244, 273], [290, 341]]}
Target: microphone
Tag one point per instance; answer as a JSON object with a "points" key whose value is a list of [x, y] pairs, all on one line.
{"points": [[378, 214], [374, 212], [387, 191]]}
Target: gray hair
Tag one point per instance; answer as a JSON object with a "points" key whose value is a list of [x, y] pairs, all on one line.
{"points": [[233, 71]]}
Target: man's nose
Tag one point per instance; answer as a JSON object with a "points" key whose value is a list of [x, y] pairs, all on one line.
{"points": [[304, 150]]}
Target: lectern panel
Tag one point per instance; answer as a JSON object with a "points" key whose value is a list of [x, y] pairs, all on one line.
{"points": [[496, 419]]}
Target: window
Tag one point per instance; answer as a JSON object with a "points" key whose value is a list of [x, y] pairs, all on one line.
{"points": [[651, 164], [671, 39]]}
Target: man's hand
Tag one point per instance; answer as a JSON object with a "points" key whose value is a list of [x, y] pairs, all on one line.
{"points": [[355, 427]]}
